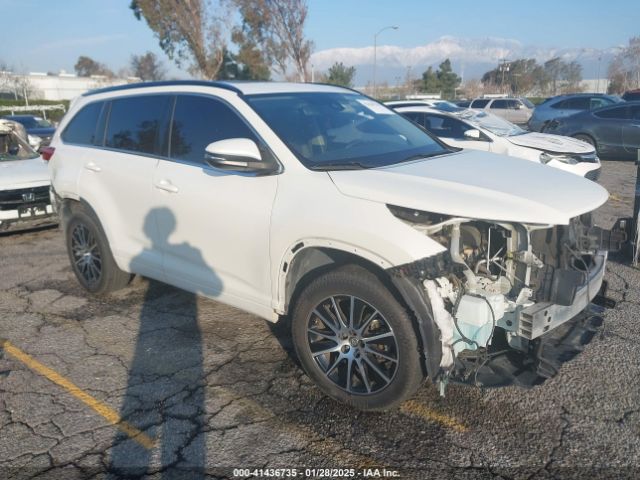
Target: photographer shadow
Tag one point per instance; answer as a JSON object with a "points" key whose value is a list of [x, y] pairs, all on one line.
{"points": [[165, 394]]}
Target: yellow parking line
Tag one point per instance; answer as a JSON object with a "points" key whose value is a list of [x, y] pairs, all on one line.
{"points": [[412, 407], [108, 413]]}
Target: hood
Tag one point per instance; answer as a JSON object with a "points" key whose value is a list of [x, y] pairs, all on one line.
{"points": [[16, 174], [477, 185], [551, 143]]}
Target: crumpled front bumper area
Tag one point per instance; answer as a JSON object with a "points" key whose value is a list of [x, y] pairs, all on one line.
{"points": [[505, 366]]}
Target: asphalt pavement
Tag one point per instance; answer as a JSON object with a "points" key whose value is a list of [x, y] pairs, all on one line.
{"points": [[152, 379]]}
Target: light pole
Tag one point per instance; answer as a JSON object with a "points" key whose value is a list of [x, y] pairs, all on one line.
{"points": [[375, 47]]}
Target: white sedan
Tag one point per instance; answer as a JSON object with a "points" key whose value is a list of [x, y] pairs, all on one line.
{"points": [[480, 130]]}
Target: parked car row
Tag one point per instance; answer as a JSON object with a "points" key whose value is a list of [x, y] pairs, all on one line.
{"points": [[479, 130]]}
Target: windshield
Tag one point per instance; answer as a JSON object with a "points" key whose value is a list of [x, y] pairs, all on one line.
{"points": [[496, 125], [333, 130]]}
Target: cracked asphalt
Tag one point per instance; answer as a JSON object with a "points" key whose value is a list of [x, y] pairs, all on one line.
{"points": [[217, 388]]}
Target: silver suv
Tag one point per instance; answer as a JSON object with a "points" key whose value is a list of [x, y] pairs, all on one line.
{"points": [[516, 110]]}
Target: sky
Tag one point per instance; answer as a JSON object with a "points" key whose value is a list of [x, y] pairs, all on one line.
{"points": [[49, 35]]}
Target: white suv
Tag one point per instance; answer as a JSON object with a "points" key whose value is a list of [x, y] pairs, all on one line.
{"points": [[394, 256]]}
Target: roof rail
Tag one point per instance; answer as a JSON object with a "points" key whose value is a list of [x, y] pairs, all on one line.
{"points": [[169, 83]]}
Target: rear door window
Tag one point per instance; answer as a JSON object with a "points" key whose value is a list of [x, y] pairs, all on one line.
{"points": [[578, 103], [199, 121], [618, 113], [501, 104], [479, 103], [135, 123], [82, 129]]}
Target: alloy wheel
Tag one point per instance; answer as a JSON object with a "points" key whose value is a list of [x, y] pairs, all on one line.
{"points": [[86, 254], [353, 344]]}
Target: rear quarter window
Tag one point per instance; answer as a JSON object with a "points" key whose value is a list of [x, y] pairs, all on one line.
{"points": [[81, 130]]}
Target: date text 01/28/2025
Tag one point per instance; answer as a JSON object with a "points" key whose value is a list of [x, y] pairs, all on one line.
{"points": [[316, 472]]}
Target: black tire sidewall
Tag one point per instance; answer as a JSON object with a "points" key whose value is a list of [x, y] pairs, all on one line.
{"points": [[366, 286], [109, 267]]}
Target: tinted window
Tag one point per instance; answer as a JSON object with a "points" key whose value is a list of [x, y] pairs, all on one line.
{"points": [[134, 123], [82, 127], [597, 102], [578, 103], [445, 127], [562, 104], [500, 104], [416, 117], [621, 113], [635, 112], [479, 103], [199, 121]]}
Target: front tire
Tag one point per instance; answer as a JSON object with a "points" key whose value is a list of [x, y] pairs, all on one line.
{"points": [[90, 256], [356, 340]]}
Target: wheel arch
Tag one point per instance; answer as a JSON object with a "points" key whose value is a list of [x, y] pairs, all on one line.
{"points": [[308, 260]]}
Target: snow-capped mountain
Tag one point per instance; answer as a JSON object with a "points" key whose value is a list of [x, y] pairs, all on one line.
{"points": [[471, 57]]}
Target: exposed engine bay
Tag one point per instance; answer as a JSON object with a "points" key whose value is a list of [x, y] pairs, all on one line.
{"points": [[499, 287]]}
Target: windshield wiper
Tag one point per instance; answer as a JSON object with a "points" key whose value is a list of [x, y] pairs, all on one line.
{"points": [[340, 166], [427, 155]]}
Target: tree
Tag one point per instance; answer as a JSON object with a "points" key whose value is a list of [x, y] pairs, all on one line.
{"points": [[277, 27], [448, 79], [624, 69], [147, 67], [188, 31], [234, 69], [341, 75], [443, 81], [430, 83], [87, 66]]}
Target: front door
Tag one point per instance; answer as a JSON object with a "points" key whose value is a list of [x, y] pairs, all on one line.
{"points": [[213, 225]]}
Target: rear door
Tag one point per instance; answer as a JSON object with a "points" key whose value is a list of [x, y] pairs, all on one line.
{"points": [[608, 128], [116, 179], [501, 108], [631, 132], [213, 224]]}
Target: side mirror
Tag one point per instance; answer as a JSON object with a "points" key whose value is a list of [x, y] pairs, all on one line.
{"points": [[237, 154], [472, 134], [519, 106]]}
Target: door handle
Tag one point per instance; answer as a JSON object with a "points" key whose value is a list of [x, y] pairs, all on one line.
{"points": [[167, 186], [635, 125], [93, 167]]}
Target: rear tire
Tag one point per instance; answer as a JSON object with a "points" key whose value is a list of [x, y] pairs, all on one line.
{"points": [[356, 340], [90, 256]]}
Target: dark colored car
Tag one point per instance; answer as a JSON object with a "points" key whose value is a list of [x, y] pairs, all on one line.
{"points": [[566, 105], [463, 103], [36, 126], [631, 95], [614, 130]]}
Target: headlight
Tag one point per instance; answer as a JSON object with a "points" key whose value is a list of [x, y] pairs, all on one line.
{"points": [[547, 157]]}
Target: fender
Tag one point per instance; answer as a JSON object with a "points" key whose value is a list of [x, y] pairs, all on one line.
{"points": [[280, 300]]}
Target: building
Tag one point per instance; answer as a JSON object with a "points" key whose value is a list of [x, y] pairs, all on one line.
{"points": [[64, 86]]}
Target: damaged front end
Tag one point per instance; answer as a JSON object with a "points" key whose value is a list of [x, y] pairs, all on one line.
{"points": [[505, 302]]}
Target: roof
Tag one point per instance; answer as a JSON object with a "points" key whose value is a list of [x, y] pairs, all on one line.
{"points": [[242, 88]]}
